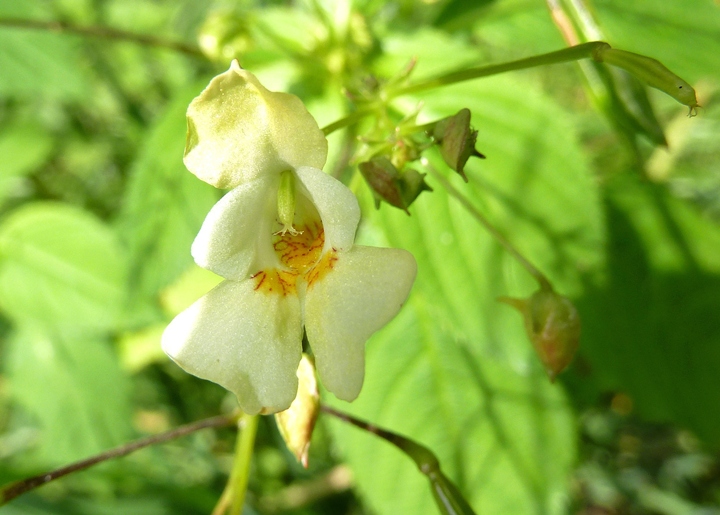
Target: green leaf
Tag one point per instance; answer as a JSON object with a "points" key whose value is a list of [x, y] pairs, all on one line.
{"points": [[37, 62], [60, 268], [165, 204], [683, 35], [73, 386], [461, 13], [455, 370], [23, 147], [653, 329]]}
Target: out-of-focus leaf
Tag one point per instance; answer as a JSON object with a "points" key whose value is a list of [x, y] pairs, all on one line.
{"points": [[455, 371], [37, 62], [460, 13], [23, 148], [439, 51], [165, 204], [60, 267], [653, 330], [72, 385], [683, 35], [142, 348]]}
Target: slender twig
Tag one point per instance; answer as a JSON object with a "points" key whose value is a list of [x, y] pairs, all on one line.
{"points": [[9, 492], [348, 120], [367, 426], [454, 192], [102, 32]]}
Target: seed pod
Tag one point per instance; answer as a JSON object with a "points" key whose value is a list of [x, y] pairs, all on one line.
{"points": [[456, 140], [553, 325], [296, 423], [653, 73]]}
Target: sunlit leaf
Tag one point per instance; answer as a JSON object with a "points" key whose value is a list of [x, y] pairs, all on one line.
{"points": [[60, 267], [165, 204], [36, 61], [23, 148], [74, 388]]}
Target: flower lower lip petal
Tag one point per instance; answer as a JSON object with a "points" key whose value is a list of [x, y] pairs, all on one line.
{"points": [[246, 341], [364, 291]]}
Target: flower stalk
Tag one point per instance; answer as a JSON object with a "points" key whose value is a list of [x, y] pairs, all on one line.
{"points": [[233, 497]]}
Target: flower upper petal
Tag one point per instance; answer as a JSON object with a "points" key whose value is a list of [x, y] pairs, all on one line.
{"points": [[336, 204], [244, 340], [363, 292], [238, 130], [235, 237]]}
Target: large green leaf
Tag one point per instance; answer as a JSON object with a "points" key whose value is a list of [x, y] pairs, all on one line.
{"points": [[653, 330], [74, 387], [165, 204], [455, 371], [37, 62], [60, 268]]}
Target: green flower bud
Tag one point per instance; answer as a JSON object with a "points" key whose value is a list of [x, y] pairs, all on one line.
{"points": [[456, 140], [652, 72], [296, 423], [553, 325], [399, 189]]}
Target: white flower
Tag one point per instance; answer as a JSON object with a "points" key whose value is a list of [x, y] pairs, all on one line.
{"points": [[288, 264], [238, 130]]}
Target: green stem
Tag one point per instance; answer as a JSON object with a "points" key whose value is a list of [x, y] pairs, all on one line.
{"points": [[449, 499], [233, 497], [102, 32], [348, 120], [575, 53], [13, 490], [454, 192]]}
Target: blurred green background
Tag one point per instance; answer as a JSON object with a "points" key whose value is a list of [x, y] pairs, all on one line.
{"points": [[97, 214]]}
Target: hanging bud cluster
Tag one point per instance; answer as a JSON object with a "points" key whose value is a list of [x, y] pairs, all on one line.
{"points": [[397, 184]]}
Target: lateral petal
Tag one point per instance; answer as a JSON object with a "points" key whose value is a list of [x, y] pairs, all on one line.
{"points": [[235, 238], [238, 130], [364, 291], [247, 341], [336, 204]]}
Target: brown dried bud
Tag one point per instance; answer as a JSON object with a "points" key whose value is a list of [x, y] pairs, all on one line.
{"points": [[553, 325], [296, 423], [399, 189], [456, 140]]}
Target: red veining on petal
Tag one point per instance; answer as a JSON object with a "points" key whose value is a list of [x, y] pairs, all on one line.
{"points": [[320, 270], [280, 282], [301, 250]]}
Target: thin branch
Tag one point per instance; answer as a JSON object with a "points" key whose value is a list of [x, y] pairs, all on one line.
{"points": [[454, 192], [9, 492], [104, 33]]}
